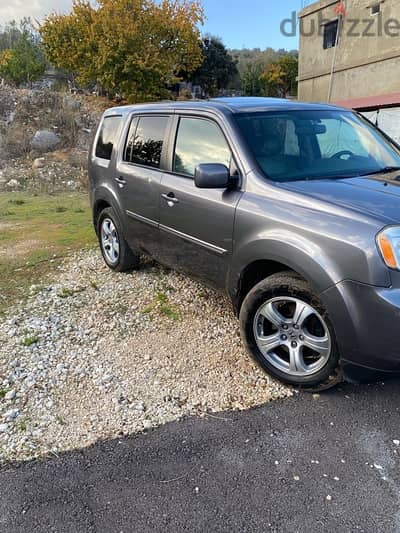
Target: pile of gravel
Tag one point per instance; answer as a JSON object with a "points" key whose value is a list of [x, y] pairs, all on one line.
{"points": [[96, 355]]}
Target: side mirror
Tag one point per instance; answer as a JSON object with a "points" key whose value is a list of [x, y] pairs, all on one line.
{"points": [[211, 176]]}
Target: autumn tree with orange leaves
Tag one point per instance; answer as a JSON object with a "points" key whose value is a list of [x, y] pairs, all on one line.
{"points": [[132, 47]]}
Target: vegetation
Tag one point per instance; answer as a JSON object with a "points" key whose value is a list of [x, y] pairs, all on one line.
{"points": [[140, 50], [28, 341], [21, 59], [268, 73], [218, 69], [280, 77], [35, 235], [133, 47]]}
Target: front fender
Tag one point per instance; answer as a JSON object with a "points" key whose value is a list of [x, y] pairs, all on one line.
{"points": [[293, 251]]}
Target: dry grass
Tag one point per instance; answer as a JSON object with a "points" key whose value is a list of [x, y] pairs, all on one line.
{"points": [[35, 231]]}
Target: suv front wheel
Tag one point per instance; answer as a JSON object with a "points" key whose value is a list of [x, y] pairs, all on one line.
{"points": [[287, 330], [116, 251]]}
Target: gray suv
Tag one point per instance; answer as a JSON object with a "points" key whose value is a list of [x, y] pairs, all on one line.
{"points": [[292, 209]]}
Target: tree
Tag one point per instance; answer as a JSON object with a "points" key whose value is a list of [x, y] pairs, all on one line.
{"points": [[280, 77], [23, 62], [218, 68], [252, 83], [133, 47]]}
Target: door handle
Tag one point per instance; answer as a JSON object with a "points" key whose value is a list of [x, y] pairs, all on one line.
{"points": [[121, 182], [170, 198]]}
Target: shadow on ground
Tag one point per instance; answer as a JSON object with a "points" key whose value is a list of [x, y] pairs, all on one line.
{"points": [[304, 464]]}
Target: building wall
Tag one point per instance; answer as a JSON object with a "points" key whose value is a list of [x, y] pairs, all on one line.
{"points": [[365, 65]]}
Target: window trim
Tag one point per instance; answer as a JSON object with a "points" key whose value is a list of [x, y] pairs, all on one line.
{"points": [[174, 137], [134, 117], [326, 25], [101, 161], [137, 114]]}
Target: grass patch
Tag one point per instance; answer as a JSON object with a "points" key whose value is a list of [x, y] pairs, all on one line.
{"points": [[22, 425], [162, 306], [169, 312], [16, 201], [65, 293], [28, 341], [3, 393], [162, 298], [60, 420], [35, 234]]}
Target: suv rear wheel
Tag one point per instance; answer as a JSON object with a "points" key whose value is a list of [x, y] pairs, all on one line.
{"points": [[116, 251], [287, 330]]}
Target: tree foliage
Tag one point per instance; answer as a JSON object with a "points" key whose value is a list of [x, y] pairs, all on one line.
{"points": [[276, 78], [21, 59], [252, 84], [132, 47], [218, 68], [280, 77]]}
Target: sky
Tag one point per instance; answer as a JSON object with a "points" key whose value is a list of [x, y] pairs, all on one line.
{"points": [[240, 23]]}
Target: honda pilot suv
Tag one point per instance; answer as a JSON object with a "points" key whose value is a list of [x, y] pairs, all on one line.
{"points": [[292, 209]]}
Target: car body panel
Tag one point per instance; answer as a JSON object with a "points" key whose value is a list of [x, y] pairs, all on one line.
{"points": [[325, 230], [197, 231]]}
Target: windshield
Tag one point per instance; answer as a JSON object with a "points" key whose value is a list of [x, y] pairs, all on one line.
{"points": [[298, 145]]}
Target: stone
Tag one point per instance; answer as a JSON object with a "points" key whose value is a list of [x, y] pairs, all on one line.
{"points": [[39, 162], [71, 103], [12, 184], [11, 414], [10, 395], [44, 141]]}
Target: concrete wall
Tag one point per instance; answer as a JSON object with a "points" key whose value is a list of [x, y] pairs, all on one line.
{"points": [[365, 65]]}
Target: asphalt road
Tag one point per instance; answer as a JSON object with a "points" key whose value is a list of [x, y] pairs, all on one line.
{"points": [[303, 464]]}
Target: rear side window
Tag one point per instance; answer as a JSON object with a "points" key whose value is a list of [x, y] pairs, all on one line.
{"points": [[108, 136], [199, 141], [145, 141]]}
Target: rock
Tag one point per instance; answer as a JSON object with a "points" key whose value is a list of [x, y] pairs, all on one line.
{"points": [[12, 414], [90, 375], [10, 395], [71, 103], [12, 184], [147, 424], [44, 141], [39, 162], [3, 428], [11, 118]]}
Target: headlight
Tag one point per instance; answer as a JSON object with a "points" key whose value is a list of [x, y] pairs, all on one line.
{"points": [[389, 245]]}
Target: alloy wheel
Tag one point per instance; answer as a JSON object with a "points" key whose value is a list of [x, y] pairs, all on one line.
{"points": [[110, 240], [292, 336]]}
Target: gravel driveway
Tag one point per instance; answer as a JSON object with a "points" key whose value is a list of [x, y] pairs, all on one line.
{"points": [[98, 354]]}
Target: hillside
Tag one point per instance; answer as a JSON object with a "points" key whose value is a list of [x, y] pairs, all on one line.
{"points": [[44, 139]]}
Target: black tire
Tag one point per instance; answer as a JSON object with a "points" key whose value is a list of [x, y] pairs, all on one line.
{"points": [[126, 259], [289, 284]]}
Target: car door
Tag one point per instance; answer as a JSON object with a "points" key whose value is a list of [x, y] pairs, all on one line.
{"points": [[196, 225], [139, 171]]}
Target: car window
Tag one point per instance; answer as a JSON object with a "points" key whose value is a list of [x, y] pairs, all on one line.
{"points": [[316, 144], [340, 136], [108, 136], [130, 139], [145, 140], [199, 141]]}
